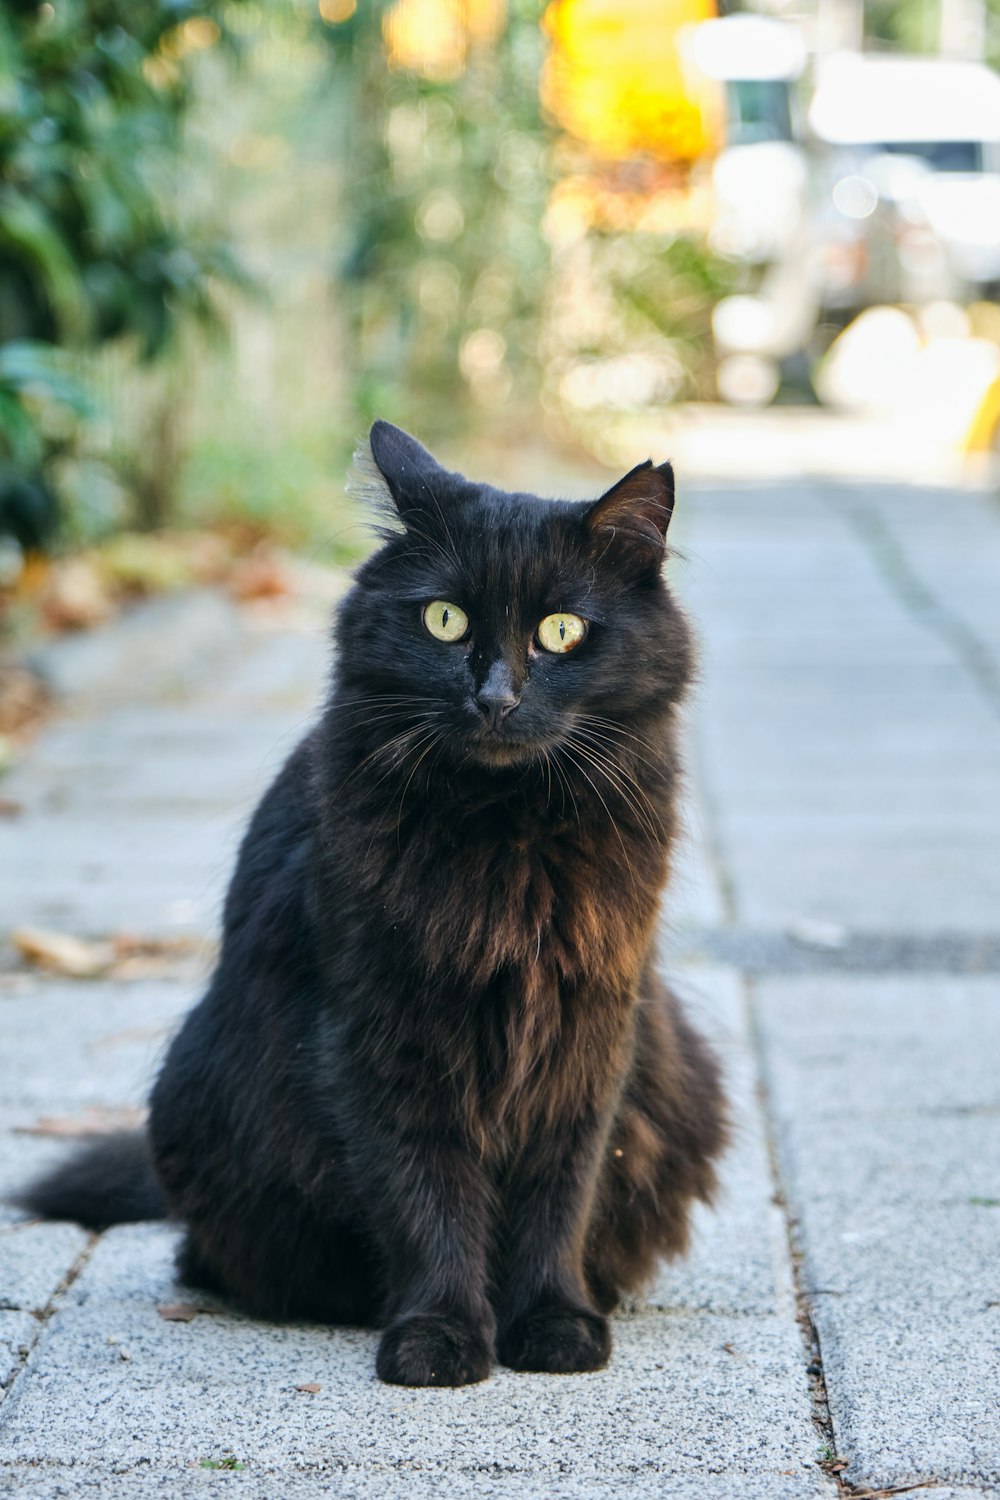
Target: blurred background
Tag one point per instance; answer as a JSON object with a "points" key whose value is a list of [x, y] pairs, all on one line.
{"points": [[764, 240]]}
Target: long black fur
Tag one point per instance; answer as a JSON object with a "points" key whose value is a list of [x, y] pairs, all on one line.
{"points": [[435, 1083]]}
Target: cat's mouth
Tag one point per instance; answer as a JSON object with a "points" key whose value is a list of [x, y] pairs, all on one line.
{"points": [[499, 749], [497, 752]]}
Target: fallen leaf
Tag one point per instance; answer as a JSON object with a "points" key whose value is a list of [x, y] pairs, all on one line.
{"points": [[178, 1312], [310, 1388], [9, 808], [263, 575], [62, 953], [128, 970], [95, 1120], [156, 958], [23, 699], [75, 596], [122, 956]]}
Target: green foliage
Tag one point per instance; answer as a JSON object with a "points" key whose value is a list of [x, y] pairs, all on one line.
{"points": [[34, 377], [292, 493], [443, 263], [916, 27], [93, 243], [40, 398], [92, 94]]}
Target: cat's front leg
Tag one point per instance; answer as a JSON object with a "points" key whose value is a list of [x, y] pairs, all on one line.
{"points": [[433, 1221], [546, 1318]]}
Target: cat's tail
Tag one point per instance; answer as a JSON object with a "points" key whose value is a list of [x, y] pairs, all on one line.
{"points": [[108, 1181]]}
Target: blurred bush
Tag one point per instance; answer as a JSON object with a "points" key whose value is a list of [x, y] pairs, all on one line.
{"points": [[422, 240], [94, 244], [442, 260], [472, 282]]}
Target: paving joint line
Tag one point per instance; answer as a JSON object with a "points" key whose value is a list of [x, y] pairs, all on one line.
{"points": [[832, 1464], [45, 1314], [889, 556], [820, 1407], [762, 951]]}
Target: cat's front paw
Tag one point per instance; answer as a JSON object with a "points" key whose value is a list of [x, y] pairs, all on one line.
{"points": [[560, 1340], [432, 1349]]}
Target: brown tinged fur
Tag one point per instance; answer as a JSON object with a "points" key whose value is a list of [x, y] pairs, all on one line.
{"points": [[435, 1083]]}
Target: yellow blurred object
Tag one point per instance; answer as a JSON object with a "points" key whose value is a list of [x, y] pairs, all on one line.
{"points": [[433, 37], [616, 80], [983, 433], [196, 34], [334, 12]]}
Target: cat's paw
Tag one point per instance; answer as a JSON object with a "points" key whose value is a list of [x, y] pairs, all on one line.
{"points": [[560, 1340], [432, 1349]]}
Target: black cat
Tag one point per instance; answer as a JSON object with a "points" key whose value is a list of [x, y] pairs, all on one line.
{"points": [[436, 1083]]}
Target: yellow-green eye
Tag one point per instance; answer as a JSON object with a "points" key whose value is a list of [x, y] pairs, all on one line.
{"points": [[446, 622], [561, 632]]}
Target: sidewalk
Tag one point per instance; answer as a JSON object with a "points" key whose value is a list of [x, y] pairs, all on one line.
{"points": [[836, 927]]}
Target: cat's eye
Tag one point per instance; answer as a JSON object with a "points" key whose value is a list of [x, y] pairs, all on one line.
{"points": [[446, 622], [561, 632]]}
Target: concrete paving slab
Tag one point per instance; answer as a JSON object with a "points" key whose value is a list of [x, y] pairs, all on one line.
{"points": [[890, 1260], [836, 1045], [920, 547], [34, 1259], [167, 641], [686, 1394], [738, 1262], [913, 1400], [917, 1163], [80, 1044], [487, 1481], [899, 880], [22, 1158], [816, 666], [949, 1492], [885, 1102], [18, 1332]]}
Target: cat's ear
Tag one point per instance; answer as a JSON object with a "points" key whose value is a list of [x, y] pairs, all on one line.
{"points": [[407, 468], [632, 518]]}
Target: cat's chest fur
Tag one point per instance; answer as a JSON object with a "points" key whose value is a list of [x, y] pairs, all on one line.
{"points": [[546, 898]]}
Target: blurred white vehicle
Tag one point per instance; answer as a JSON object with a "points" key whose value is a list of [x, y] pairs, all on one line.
{"points": [[761, 193], [913, 144]]}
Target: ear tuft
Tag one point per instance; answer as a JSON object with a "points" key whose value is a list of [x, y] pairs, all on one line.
{"points": [[633, 517], [406, 466], [366, 484]]}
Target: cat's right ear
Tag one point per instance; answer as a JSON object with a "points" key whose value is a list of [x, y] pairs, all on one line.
{"points": [[631, 520], [410, 472]]}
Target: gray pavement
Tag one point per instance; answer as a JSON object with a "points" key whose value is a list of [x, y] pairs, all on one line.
{"points": [[835, 926]]}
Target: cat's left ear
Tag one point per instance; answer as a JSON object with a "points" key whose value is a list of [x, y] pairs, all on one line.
{"points": [[632, 518], [407, 468]]}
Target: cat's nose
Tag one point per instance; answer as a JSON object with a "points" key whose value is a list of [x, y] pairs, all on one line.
{"points": [[496, 704], [498, 695]]}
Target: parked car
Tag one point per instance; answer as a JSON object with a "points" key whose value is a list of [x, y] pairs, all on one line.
{"points": [[910, 162], [761, 201]]}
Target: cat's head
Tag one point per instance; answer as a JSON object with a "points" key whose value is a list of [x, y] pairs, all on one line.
{"points": [[503, 625]]}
